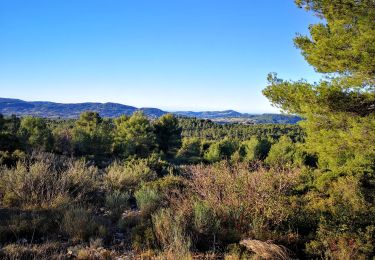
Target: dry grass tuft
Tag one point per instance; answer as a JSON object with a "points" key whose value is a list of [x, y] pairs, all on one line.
{"points": [[51, 250], [266, 250]]}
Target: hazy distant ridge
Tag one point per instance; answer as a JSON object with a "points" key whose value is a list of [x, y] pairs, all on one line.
{"points": [[19, 107]]}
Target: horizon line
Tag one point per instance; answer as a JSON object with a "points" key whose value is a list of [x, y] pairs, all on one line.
{"points": [[166, 109]]}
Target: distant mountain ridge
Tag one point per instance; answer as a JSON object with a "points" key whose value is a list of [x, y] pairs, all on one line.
{"points": [[9, 106], [210, 114], [70, 110]]}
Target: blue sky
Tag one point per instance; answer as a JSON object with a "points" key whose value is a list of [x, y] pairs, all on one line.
{"points": [[170, 54]]}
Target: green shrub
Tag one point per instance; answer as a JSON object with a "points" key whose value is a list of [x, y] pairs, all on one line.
{"points": [[204, 218], [236, 252], [158, 165], [9, 158], [332, 243], [254, 149], [282, 154], [170, 232], [221, 150], [148, 198], [190, 151], [346, 224], [205, 226], [153, 195], [81, 180], [128, 176], [63, 136], [117, 202], [143, 237]]}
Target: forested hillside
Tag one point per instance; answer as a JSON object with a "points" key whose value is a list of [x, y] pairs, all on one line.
{"points": [[131, 187], [18, 107]]}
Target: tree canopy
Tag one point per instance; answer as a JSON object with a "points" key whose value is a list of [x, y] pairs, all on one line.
{"points": [[340, 108], [339, 123], [134, 135]]}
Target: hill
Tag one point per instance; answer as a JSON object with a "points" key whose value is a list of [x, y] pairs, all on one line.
{"points": [[47, 109]]}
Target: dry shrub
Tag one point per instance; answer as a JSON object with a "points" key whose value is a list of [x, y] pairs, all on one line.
{"points": [[96, 251], [249, 202], [266, 250], [45, 182], [31, 251], [129, 219], [237, 252], [18, 225], [32, 186], [169, 255], [170, 232], [96, 254], [333, 243], [80, 224], [81, 180]]}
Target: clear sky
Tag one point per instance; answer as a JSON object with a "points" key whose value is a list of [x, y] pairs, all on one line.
{"points": [[170, 54]]}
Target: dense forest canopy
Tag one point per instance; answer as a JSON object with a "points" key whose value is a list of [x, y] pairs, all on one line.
{"points": [[104, 140]]}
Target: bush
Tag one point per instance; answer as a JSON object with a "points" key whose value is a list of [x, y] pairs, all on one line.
{"points": [[80, 224], [256, 203], [32, 186], [128, 176], [170, 232], [46, 182], [190, 151], [148, 198], [346, 224], [205, 225], [28, 224], [204, 218], [221, 150], [254, 149], [82, 180], [282, 154], [143, 237], [342, 244], [117, 202], [51, 250], [63, 144], [156, 194], [10, 159]]}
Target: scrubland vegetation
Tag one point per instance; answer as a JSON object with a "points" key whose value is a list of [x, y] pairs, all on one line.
{"points": [[150, 192], [178, 188]]}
